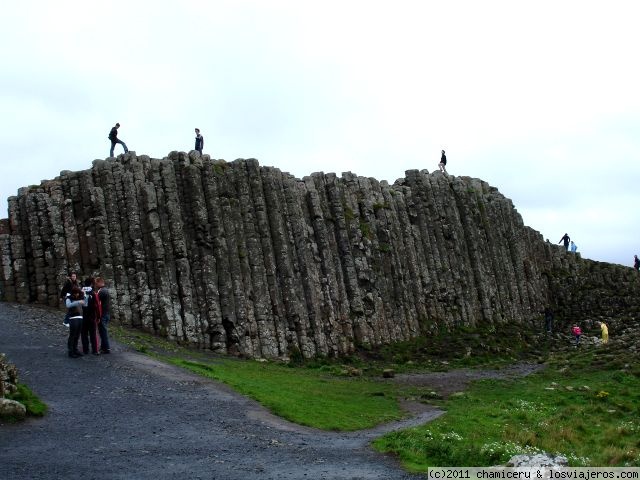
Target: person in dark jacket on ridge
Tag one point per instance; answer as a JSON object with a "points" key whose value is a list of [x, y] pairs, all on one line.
{"points": [[565, 238], [199, 141], [443, 163], [113, 136]]}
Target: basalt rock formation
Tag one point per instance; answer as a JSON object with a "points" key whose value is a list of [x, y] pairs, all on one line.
{"points": [[245, 259]]}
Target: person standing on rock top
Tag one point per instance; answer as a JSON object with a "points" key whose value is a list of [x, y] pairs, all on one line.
{"points": [[103, 294], [574, 247], [113, 136], [565, 238], [636, 263], [199, 141], [443, 163]]}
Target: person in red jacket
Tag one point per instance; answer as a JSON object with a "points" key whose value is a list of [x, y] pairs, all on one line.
{"points": [[576, 333]]}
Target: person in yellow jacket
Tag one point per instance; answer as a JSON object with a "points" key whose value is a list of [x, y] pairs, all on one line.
{"points": [[605, 332]]}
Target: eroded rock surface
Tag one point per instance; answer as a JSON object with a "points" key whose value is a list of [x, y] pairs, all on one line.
{"points": [[245, 259]]}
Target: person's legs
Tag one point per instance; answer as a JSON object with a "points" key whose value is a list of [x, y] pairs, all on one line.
{"points": [[104, 334], [75, 325], [84, 335], [126, 150], [113, 145], [93, 337]]}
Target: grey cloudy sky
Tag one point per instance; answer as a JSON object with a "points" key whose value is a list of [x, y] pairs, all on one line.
{"points": [[540, 99]]}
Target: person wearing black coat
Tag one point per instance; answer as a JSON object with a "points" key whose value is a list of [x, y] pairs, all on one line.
{"points": [[113, 136], [74, 302]]}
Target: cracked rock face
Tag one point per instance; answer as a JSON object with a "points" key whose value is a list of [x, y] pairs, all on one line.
{"points": [[249, 260]]}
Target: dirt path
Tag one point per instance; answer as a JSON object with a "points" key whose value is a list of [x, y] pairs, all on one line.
{"points": [[446, 383], [126, 416]]}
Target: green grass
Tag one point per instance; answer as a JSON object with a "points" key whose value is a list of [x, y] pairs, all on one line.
{"points": [[319, 394], [584, 405], [304, 396], [35, 407], [579, 407]]}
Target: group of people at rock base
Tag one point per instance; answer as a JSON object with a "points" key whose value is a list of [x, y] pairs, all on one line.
{"points": [[113, 137], [576, 331], [87, 315]]}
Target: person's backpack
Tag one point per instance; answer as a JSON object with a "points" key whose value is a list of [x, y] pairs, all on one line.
{"points": [[97, 305]]}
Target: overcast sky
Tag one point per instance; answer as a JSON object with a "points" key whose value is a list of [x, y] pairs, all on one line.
{"points": [[540, 99]]}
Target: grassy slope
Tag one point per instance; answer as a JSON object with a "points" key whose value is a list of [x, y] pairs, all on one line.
{"points": [[307, 397], [551, 411], [584, 406]]}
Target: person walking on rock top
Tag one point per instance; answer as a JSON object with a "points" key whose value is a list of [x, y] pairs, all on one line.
{"points": [[565, 238], [574, 247], [199, 141], [113, 136], [443, 163], [636, 263]]}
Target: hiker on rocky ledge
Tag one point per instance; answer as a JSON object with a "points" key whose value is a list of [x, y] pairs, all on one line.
{"points": [[565, 238], [574, 247], [636, 263], [113, 136], [199, 141], [443, 163]]}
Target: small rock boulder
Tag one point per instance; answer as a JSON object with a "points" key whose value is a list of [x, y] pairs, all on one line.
{"points": [[11, 408]]}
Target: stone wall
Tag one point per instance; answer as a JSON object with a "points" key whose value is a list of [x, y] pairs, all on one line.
{"points": [[246, 259]]}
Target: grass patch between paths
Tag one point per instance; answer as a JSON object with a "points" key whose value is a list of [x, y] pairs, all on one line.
{"points": [[307, 397], [578, 407], [584, 405], [314, 397]]}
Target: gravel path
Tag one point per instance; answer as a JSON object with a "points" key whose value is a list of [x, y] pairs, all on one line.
{"points": [[126, 416]]}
